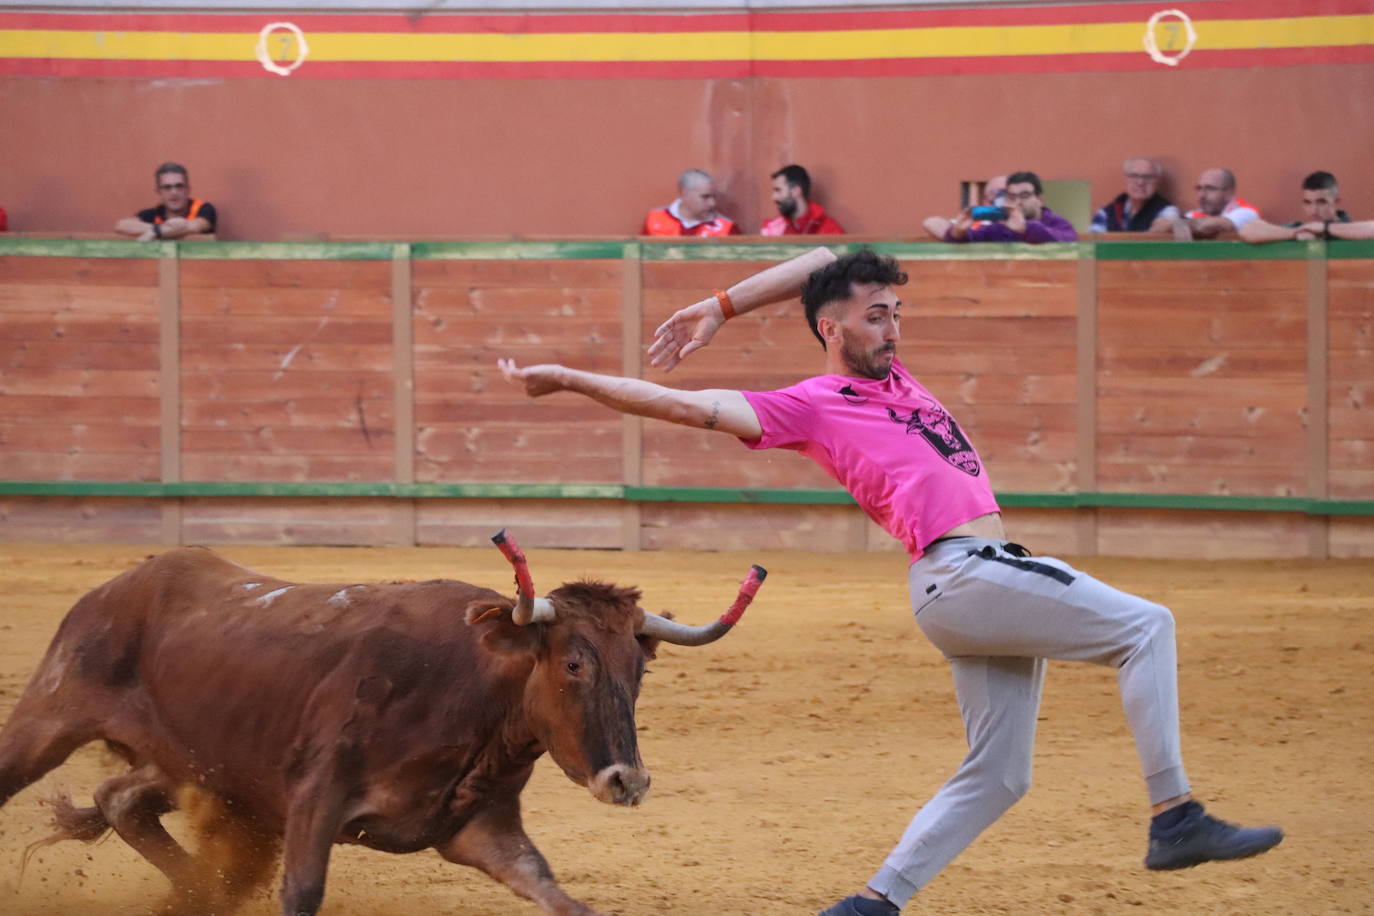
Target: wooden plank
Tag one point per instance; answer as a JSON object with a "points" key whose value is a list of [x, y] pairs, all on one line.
{"points": [[1318, 545], [1215, 361], [64, 301], [286, 468], [1130, 415], [79, 520], [632, 366], [1228, 479], [403, 389], [75, 328], [62, 354], [273, 331], [80, 271], [50, 465], [1199, 535], [258, 275], [1351, 538], [1197, 277], [684, 526], [235, 303], [61, 410], [585, 524], [117, 383], [287, 358], [1086, 431]]}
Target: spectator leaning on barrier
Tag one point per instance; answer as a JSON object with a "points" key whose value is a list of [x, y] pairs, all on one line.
{"points": [[177, 216], [1139, 208], [4, 221], [1026, 218], [1218, 208], [694, 211], [1321, 198], [797, 213]]}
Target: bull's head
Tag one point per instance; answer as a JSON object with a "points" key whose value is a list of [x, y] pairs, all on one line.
{"points": [[589, 642]]}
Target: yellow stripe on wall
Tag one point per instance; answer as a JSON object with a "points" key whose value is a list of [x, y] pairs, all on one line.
{"points": [[858, 44]]}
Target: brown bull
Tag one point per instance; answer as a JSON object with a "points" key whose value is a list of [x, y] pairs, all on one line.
{"points": [[398, 716]]}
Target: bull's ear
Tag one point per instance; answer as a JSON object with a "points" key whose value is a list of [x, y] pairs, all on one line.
{"points": [[476, 615], [502, 634]]}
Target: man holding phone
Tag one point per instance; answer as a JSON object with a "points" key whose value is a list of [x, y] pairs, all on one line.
{"points": [[1025, 218]]}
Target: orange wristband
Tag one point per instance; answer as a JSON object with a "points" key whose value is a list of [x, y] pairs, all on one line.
{"points": [[727, 308]]}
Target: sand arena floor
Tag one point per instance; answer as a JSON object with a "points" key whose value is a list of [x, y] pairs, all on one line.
{"points": [[788, 758]]}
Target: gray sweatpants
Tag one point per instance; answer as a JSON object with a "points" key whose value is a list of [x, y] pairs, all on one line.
{"points": [[997, 618]]}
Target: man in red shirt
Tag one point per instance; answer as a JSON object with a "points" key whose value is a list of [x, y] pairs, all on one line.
{"points": [[694, 211], [797, 213]]}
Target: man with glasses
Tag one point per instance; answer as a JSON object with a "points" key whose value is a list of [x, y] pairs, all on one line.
{"points": [[1218, 208], [1139, 208], [1027, 218], [177, 216]]}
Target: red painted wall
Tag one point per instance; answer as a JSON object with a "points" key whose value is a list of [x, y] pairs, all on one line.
{"points": [[300, 158]]}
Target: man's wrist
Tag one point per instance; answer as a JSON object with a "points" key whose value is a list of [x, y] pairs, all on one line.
{"points": [[157, 231], [727, 306]]}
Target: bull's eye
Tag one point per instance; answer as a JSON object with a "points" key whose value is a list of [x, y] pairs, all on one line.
{"points": [[574, 667]]}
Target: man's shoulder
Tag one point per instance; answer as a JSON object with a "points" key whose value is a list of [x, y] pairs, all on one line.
{"points": [[661, 221], [148, 214], [775, 226]]}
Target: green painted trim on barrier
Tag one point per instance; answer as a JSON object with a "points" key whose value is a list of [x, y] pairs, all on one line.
{"points": [[906, 251], [1347, 250], [518, 251], [1208, 251], [618, 492], [84, 248], [286, 251], [614, 249]]}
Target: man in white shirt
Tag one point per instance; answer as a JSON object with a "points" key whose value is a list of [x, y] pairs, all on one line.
{"points": [[1218, 208]]}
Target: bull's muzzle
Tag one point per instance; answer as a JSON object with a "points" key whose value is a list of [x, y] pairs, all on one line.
{"points": [[620, 784]]}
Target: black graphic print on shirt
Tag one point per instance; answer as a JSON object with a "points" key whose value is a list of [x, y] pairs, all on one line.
{"points": [[938, 428]]}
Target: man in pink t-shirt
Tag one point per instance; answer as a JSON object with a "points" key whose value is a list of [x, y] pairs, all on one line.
{"points": [[996, 614]]}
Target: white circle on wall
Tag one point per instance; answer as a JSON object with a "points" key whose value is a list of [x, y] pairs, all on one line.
{"points": [[1174, 50], [264, 51]]}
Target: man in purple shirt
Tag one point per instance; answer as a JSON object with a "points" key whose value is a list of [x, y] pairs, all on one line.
{"points": [[1028, 219]]}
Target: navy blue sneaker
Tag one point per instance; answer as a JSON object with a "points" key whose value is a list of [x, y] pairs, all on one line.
{"points": [[861, 906], [1199, 838]]}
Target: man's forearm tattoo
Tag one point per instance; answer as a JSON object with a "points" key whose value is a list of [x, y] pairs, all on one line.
{"points": [[715, 415]]}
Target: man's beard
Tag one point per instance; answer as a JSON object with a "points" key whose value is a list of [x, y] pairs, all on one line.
{"points": [[874, 364], [787, 207]]}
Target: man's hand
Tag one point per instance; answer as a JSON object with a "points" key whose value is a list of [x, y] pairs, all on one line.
{"points": [[961, 224], [538, 380], [686, 331], [1016, 220]]}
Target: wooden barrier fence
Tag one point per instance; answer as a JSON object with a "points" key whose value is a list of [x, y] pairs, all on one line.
{"points": [[1210, 399]]}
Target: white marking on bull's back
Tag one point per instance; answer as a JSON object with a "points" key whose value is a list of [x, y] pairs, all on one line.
{"points": [[341, 597], [249, 586], [272, 595]]}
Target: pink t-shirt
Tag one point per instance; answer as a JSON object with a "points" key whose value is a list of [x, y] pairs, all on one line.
{"points": [[890, 443]]}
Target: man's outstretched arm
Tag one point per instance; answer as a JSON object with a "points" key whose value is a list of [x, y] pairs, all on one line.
{"points": [[692, 328], [719, 409]]}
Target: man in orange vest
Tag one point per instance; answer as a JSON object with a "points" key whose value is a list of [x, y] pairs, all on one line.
{"points": [[694, 211], [797, 213], [177, 216], [1218, 208]]}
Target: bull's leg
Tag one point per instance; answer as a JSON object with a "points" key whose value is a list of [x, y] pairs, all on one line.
{"points": [[33, 742], [133, 804], [314, 817], [495, 841]]}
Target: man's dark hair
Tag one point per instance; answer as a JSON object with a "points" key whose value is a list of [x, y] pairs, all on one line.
{"points": [[170, 168], [795, 176], [835, 282], [1029, 178], [1319, 181]]}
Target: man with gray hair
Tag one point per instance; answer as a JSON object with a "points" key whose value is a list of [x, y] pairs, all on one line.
{"points": [[694, 211], [1218, 208], [1139, 208]]}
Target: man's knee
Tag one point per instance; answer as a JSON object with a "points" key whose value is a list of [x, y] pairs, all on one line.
{"points": [[1157, 620]]}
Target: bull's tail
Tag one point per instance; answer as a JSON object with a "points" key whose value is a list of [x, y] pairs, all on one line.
{"points": [[69, 823]]}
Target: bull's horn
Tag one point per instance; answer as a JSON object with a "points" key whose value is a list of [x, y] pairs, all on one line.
{"points": [[533, 610], [528, 609], [680, 634]]}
